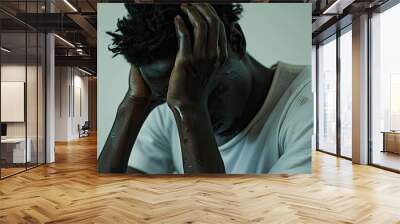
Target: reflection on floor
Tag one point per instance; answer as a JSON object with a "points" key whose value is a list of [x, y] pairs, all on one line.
{"points": [[71, 191], [9, 170], [386, 159], [346, 152]]}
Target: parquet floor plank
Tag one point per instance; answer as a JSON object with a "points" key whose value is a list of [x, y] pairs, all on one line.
{"points": [[70, 191]]}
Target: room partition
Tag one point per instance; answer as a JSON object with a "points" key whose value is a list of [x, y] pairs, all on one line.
{"points": [[22, 77]]}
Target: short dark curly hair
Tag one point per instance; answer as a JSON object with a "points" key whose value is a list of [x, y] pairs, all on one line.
{"points": [[148, 32]]}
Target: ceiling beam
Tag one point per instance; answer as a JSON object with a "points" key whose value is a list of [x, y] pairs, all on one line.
{"points": [[321, 21], [86, 27], [337, 6], [82, 61]]}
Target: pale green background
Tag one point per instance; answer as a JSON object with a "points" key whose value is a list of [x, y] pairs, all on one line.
{"points": [[273, 32]]}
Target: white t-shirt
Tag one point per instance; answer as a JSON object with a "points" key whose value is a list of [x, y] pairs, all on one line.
{"points": [[277, 140]]}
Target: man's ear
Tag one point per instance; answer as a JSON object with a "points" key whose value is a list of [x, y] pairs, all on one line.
{"points": [[237, 39]]}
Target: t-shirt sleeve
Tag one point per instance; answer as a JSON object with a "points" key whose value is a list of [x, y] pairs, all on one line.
{"points": [[295, 135], [151, 152]]}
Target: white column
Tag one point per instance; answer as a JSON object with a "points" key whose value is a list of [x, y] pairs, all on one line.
{"points": [[50, 93], [360, 90]]}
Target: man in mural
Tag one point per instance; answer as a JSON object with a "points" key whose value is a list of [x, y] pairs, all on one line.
{"points": [[199, 103]]}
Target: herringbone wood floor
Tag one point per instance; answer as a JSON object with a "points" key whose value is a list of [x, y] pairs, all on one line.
{"points": [[70, 191]]}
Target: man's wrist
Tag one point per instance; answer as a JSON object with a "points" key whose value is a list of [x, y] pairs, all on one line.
{"points": [[130, 96], [188, 109]]}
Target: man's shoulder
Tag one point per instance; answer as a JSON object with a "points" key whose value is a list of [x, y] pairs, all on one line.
{"points": [[288, 69], [299, 98]]}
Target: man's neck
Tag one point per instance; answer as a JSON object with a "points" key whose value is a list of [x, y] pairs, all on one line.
{"points": [[261, 83]]}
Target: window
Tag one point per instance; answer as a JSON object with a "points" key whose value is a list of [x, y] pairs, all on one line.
{"points": [[346, 93], [327, 96], [385, 89]]}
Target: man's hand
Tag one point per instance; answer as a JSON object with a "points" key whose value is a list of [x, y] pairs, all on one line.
{"points": [[194, 74], [131, 114], [137, 86], [192, 80]]}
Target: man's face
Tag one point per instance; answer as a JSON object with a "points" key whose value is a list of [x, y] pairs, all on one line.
{"points": [[226, 103]]}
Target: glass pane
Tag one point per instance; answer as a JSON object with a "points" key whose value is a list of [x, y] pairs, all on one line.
{"points": [[31, 98], [386, 89], [41, 98], [13, 88], [31, 87], [23, 89], [346, 94], [327, 96]]}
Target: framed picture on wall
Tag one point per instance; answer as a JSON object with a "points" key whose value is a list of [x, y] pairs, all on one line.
{"points": [[204, 88], [12, 101]]}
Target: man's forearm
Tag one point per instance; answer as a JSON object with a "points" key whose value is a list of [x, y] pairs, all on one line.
{"points": [[200, 152], [116, 152]]}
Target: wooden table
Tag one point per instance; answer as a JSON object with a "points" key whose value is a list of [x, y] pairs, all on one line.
{"points": [[13, 150], [391, 141]]}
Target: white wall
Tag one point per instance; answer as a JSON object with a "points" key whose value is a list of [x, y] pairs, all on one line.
{"points": [[10, 73], [61, 103], [69, 82], [33, 127], [17, 72], [80, 84]]}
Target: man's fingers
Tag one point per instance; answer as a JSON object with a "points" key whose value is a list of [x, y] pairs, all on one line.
{"points": [[137, 85], [213, 28], [200, 30], [134, 73], [184, 43]]}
